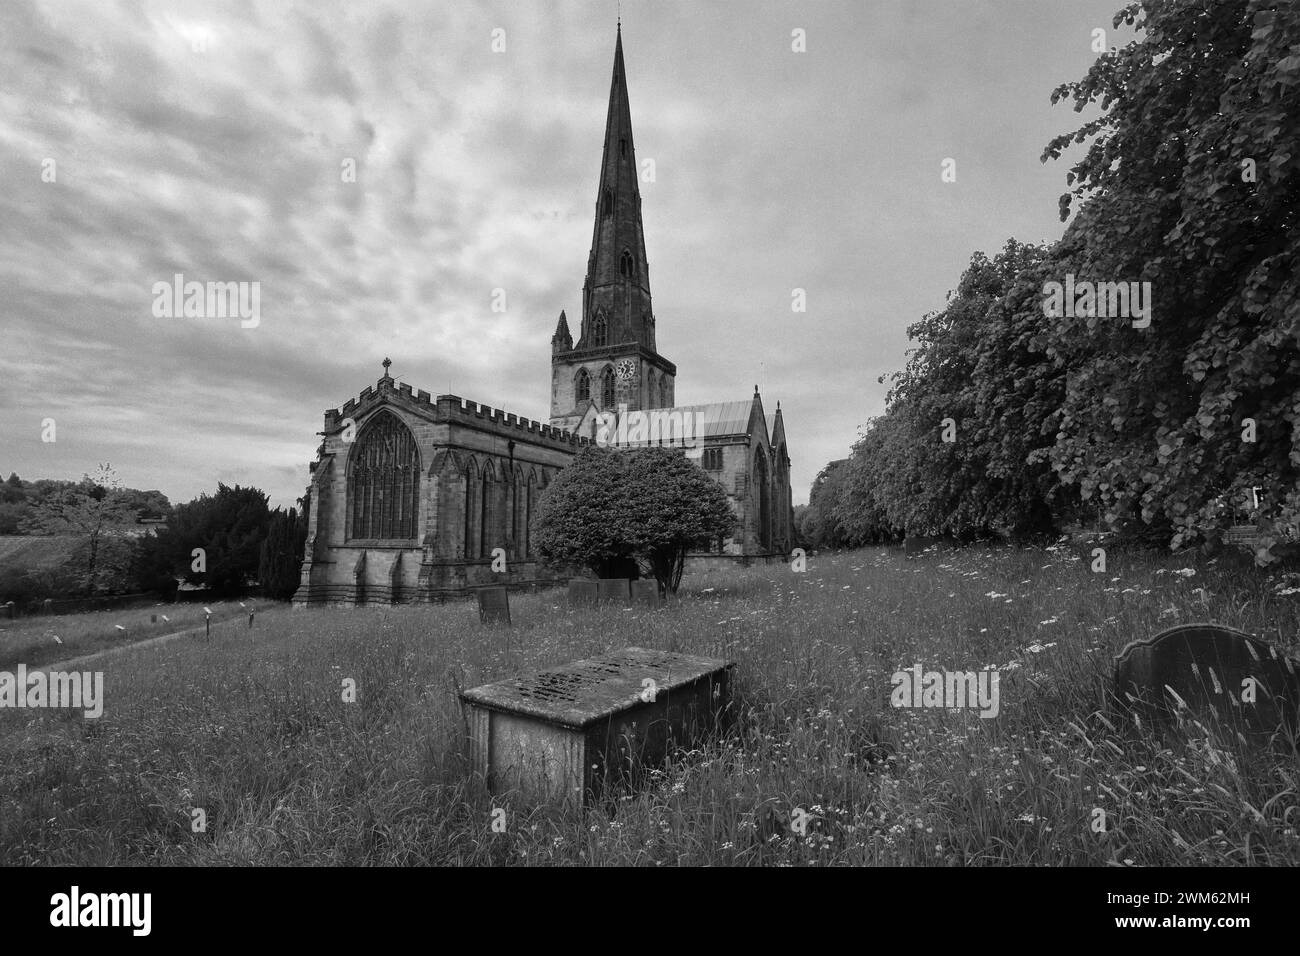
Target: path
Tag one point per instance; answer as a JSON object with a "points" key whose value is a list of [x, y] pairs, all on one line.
{"points": [[72, 662]]}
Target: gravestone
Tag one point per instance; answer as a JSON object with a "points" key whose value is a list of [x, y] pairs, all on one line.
{"points": [[47, 606], [614, 590], [558, 734], [1215, 670], [493, 606], [582, 592], [646, 591], [7, 610]]}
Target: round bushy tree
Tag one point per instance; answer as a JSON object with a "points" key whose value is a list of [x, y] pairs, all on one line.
{"points": [[614, 511], [675, 506]]}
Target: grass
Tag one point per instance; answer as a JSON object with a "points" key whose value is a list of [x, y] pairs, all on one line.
{"points": [[32, 640], [251, 730], [33, 552]]}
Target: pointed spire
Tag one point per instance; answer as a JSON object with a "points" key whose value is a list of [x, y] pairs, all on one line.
{"points": [[562, 341], [618, 280]]}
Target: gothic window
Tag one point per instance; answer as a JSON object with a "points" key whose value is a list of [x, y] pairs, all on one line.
{"points": [[599, 331], [622, 147], [713, 459], [607, 387], [384, 481], [626, 267], [471, 510], [582, 386], [607, 208], [764, 502]]}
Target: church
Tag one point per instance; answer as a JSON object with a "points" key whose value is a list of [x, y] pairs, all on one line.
{"points": [[416, 498]]}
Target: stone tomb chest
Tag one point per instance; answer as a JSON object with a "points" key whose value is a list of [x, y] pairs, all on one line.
{"points": [[559, 734]]}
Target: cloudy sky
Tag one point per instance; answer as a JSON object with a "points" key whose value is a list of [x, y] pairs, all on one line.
{"points": [[139, 140]]}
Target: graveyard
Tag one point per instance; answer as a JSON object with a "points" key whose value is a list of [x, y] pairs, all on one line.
{"points": [[341, 736]]}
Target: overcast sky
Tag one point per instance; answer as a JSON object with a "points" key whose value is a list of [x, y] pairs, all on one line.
{"points": [[209, 139]]}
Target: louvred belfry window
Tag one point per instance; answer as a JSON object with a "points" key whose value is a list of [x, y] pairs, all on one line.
{"points": [[384, 481]]}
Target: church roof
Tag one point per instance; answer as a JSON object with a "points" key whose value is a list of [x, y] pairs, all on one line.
{"points": [[718, 419]]}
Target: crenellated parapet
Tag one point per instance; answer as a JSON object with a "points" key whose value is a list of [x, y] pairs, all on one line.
{"points": [[447, 409]]}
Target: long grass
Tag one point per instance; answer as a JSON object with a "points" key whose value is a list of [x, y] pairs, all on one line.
{"points": [[40, 639], [252, 730]]}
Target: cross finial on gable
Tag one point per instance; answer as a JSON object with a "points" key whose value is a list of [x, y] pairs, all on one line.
{"points": [[387, 362]]}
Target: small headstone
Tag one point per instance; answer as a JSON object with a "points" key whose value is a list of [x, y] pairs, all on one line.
{"points": [[7, 610], [582, 592], [47, 606], [613, 589], [493, 606], [1247, 683], [646, 591]]}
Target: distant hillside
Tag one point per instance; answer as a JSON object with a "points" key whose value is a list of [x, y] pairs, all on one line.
{"points": [[29, 552]]}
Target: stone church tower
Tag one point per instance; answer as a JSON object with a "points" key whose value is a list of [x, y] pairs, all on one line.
{"points": [[615, 360]]}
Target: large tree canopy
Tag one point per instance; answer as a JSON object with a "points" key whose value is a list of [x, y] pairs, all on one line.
{"points": [[1190, 182]]}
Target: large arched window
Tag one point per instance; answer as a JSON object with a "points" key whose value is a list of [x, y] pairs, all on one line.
{"points": [[383, 497], [599, 331], [763, 494], [607, 387], [626, 266], [582, 386]]}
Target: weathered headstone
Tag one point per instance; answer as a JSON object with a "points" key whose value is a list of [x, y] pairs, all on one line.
{"points": [[493, 606], [1243, 681], [646, 591], [47, 606], [582, 592], [7, 610], [614, 590]]}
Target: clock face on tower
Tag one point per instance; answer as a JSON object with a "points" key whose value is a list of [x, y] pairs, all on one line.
{"points": [[626, 369]]}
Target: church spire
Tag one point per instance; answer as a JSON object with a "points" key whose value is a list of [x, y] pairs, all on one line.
{"points": [[616, 295]]}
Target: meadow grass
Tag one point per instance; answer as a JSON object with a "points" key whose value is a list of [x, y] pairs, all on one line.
{"points": [[252, 730], [40, 639]]}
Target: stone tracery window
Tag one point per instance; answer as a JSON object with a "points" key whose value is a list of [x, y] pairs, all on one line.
{"points": [[384, 481], [607, 387], [599, 331], [582, 387]]}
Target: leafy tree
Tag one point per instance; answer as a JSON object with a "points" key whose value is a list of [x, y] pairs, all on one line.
{"points": [[978, 375], [675, 506], [1192, 184], [229, 527], [94, 508], [281, 556], [822, 525], [615, 512], [582, 519]]}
